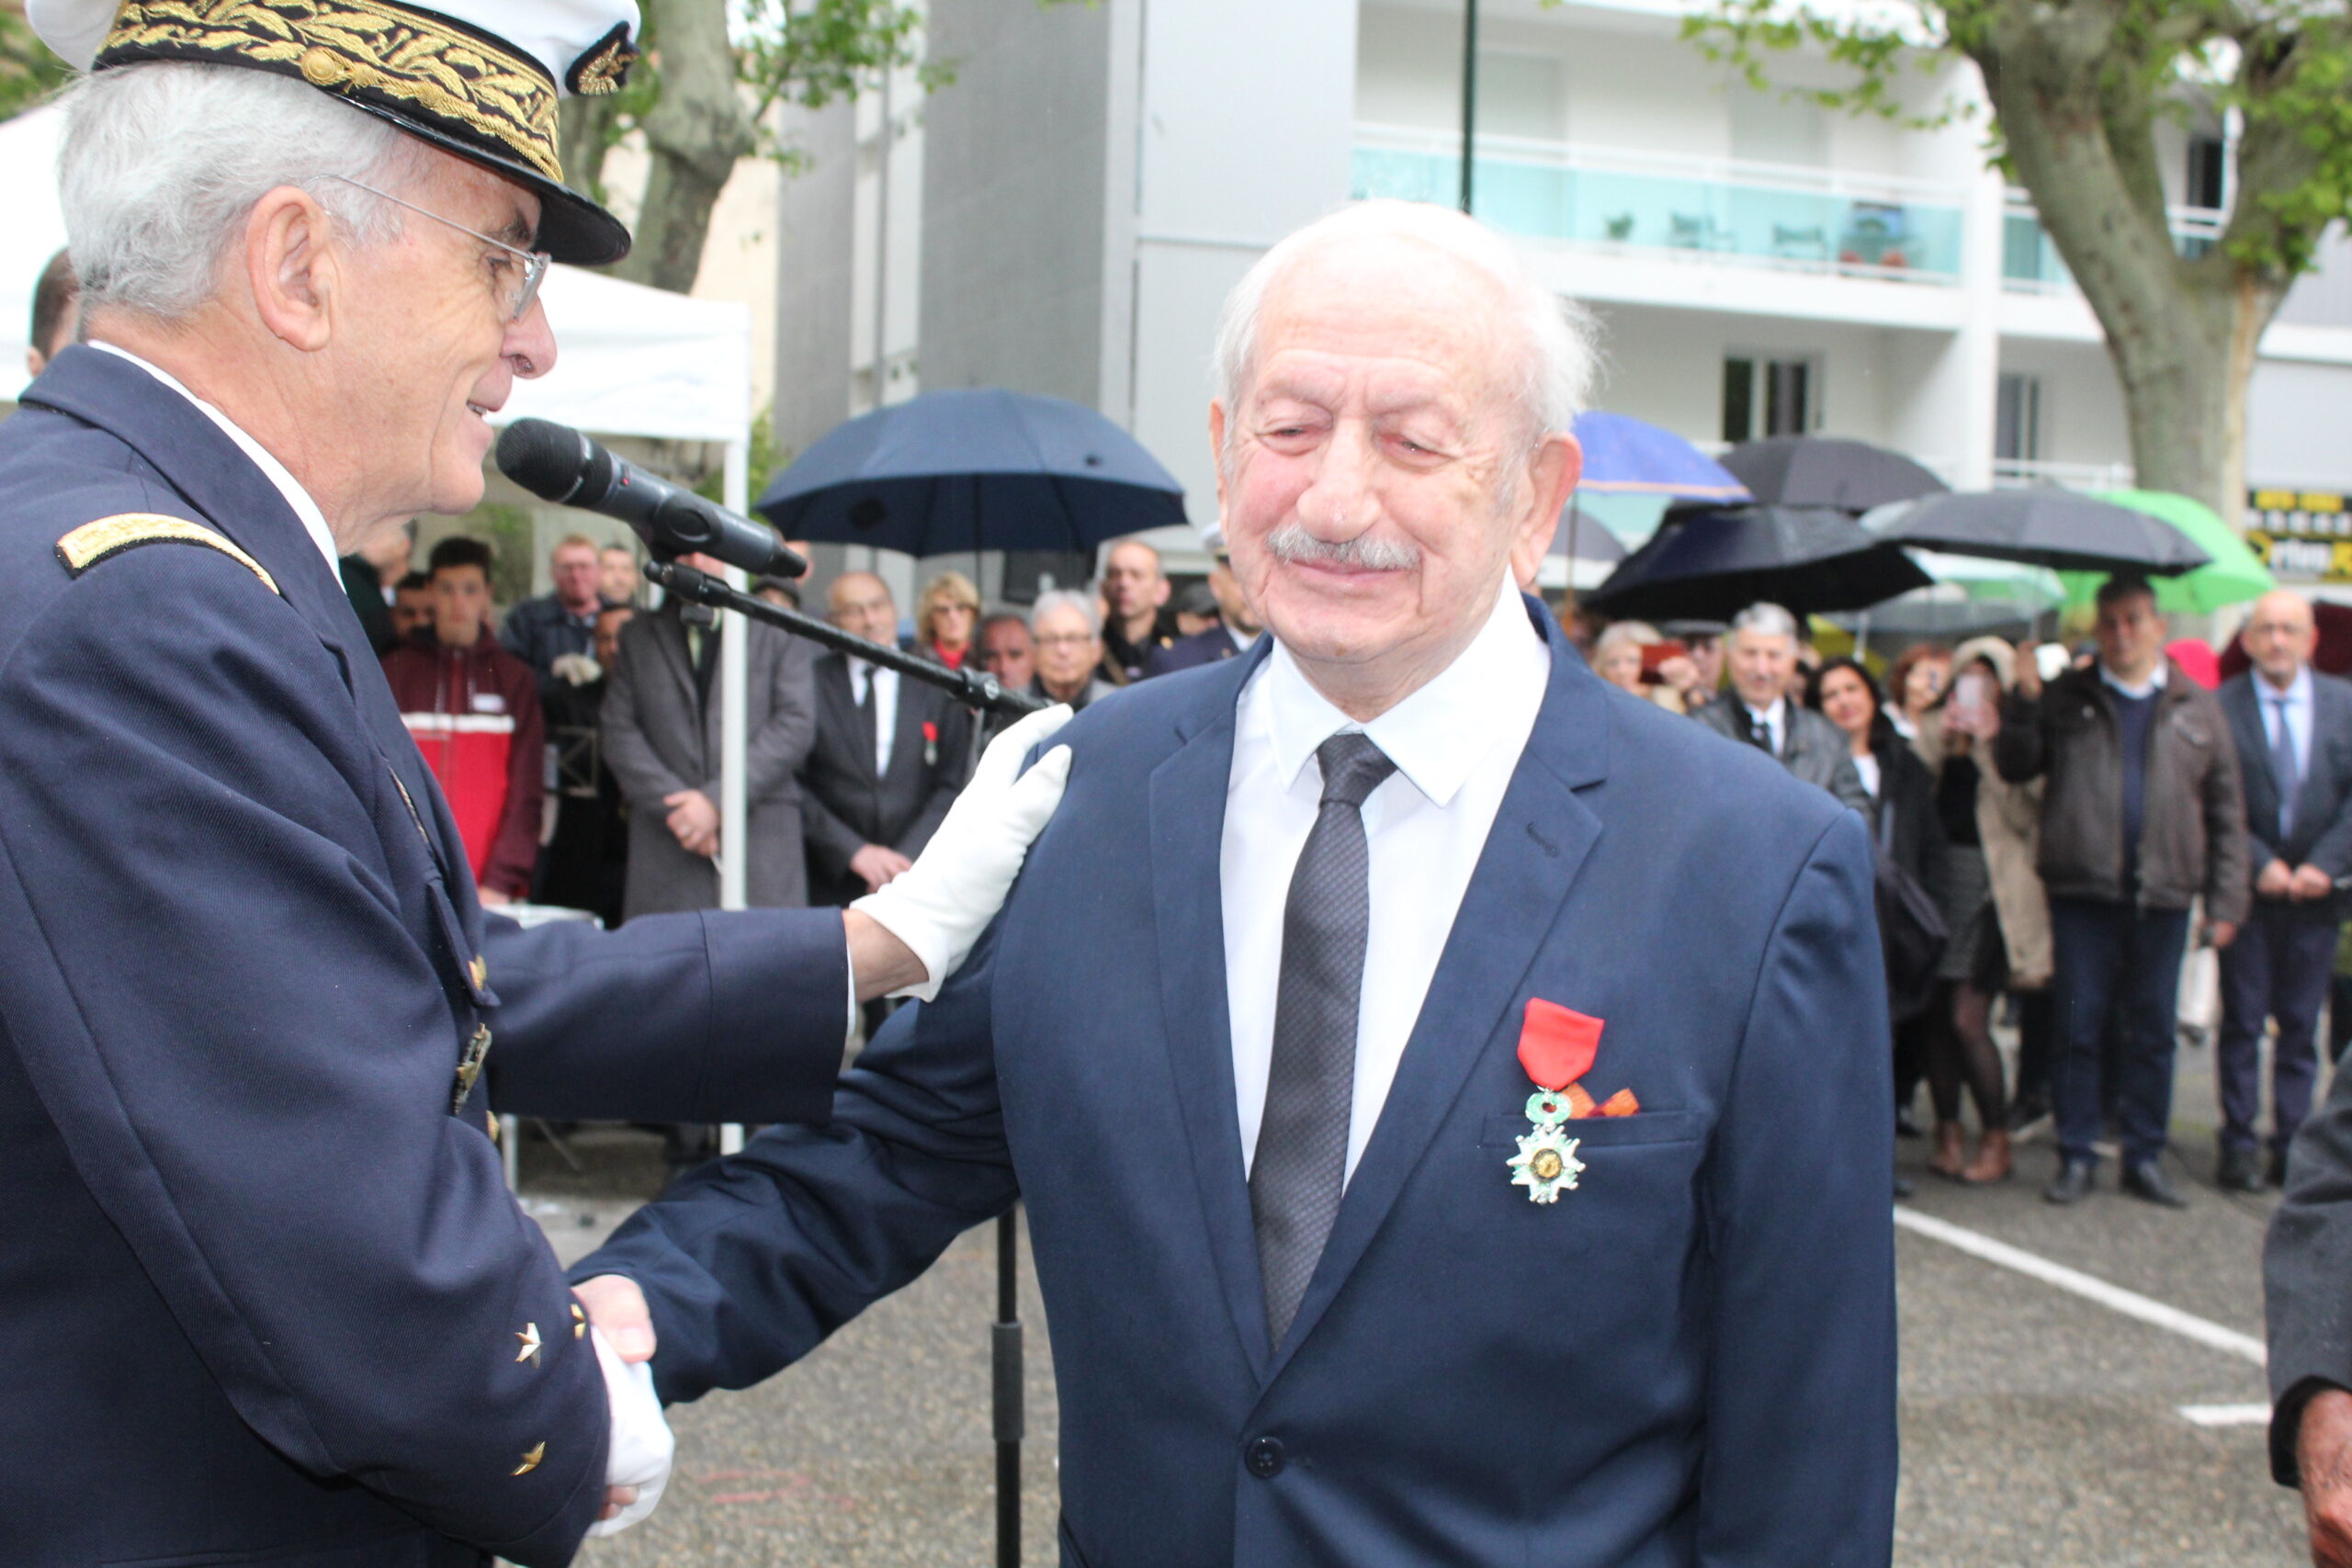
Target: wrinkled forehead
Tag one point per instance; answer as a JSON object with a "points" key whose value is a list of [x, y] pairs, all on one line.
{"points": [[1409, 312]]}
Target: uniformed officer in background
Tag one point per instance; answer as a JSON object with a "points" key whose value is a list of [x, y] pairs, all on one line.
{"points": [[264, 1293]]}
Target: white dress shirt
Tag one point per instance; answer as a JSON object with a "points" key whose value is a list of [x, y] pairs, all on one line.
{"points": [[1867, 765], [2293, 707], [885, 707], [1456, 742], [314, 521]]}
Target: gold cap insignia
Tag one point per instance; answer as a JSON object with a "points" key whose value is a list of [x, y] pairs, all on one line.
{"points": [[530, 1338], [420, 65], [531, 1459], [603, 68]]}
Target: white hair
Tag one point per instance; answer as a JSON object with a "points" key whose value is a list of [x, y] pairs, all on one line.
{"points": [[1556, 359], [1622, 634], [161, 163], [1767, 618], [1067, 599]]}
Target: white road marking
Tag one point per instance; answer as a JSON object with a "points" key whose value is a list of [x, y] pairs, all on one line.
{"points": [[2228, 1415], [2115, 1297]]}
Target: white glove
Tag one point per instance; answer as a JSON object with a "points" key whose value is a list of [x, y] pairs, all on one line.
{"points": [[939, 906], [643, 1449], [577, 669]]}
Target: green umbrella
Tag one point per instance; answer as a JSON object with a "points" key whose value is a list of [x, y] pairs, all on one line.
{"points": [[2237, 573]]}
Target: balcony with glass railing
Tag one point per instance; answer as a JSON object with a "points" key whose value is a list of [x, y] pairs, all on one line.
{"points": [[1719, 210], [2031, 262]]}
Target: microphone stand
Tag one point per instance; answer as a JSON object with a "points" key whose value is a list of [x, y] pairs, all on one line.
{"points": [[975, 689]]}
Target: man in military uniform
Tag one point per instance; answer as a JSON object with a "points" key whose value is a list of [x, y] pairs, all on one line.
{"points": [[267, 1296]]}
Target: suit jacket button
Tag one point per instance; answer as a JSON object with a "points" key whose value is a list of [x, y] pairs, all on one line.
{"points": [[1265, 1458]]}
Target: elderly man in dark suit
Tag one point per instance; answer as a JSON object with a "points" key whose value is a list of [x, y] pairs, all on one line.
{"points": [[889, 757], [2293, 730], [1757, 712], [660, 729], [1402, 1190]]}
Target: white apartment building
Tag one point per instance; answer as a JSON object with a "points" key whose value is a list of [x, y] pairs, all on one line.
{"points": [[1066, 218]]}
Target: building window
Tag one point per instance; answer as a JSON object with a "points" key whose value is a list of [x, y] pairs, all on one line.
{"points": [[2017, 419], [1767, 396]]}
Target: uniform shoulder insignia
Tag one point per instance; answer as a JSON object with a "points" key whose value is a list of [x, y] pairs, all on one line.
{"points": [[93, 541]]}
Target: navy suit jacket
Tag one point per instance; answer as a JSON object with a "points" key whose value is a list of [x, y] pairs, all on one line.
{"points": [[1688, 1360], [263, 1293], [2322, 831]]}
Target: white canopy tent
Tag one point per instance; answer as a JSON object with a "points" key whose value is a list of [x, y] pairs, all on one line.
{"points": [[631, 361]]}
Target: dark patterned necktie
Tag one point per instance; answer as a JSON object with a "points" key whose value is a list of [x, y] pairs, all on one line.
{"points": [[1302, 1159]]}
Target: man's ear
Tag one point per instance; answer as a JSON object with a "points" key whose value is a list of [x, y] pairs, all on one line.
{"points": [[293, 267], [1552, 477], [1216, 458]]}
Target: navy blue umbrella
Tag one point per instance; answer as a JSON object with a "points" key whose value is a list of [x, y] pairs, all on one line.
{"points": [[979, 470]]}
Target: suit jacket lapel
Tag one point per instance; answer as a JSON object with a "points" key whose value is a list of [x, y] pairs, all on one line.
{"points": [[1187, 809], [2244, 706], [1540, 836]]}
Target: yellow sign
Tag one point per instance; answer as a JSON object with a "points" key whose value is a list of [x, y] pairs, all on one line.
{"points": [[2305, 534]]}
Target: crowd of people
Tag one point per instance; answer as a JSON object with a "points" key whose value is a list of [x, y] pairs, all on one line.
{"points": [[2055, 828], [579, 742], [2058, 831]]}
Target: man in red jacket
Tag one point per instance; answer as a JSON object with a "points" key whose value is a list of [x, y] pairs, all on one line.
{"points": [[474, 710]]}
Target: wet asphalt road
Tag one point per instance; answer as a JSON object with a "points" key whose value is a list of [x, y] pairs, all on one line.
{"points": [[2039, 1427]]}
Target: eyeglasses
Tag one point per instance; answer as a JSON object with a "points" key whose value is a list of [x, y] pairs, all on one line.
{"points": [[513, 284], [1066, 639]]}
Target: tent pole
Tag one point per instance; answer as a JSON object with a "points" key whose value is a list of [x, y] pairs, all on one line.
{"points": [[734, 679]]}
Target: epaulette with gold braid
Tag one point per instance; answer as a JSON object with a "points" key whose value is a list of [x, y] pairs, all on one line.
{"points": [[93, 541]]}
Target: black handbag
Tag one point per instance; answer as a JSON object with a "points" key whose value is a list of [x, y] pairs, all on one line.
{"points": [[1910, 926]]}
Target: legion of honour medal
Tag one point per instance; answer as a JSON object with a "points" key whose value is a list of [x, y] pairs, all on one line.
{"points": [[1556, 1046]]}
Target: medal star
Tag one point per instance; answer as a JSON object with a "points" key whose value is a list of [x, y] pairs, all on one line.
{"points": [[1547, 1163], [530, 1338]]}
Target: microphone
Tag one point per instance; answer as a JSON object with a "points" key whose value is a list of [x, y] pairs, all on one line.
{"points": [[558, 463]]}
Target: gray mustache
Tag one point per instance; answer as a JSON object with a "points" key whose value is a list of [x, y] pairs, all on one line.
{"points": [[1293, 543]]}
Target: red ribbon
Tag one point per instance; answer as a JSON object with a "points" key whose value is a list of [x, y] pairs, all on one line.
{"points": [[1557, 1044]]}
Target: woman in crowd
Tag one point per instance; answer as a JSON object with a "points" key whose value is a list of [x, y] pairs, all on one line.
{"points": [[1992, 903], [1903, 819], [1917, 680], [1617, 658], [946, 618]]}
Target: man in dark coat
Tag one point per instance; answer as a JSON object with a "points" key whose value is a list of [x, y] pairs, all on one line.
{"points": [[1757, 710], [2141, 817], [889, 757], [274, 1301], [660, 725], [1237, 630], [2293, 726]]}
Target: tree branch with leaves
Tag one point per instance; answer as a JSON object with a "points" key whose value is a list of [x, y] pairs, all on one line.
{"points": [[703, 98], [2078, 91]]}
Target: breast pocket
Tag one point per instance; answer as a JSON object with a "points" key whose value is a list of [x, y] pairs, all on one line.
{"points": [[1634, 1192]]}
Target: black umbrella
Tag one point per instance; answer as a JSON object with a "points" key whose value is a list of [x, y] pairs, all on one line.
{"points": [[1713, 565], [1828, 470], [986, 469], [2043, 527]]}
